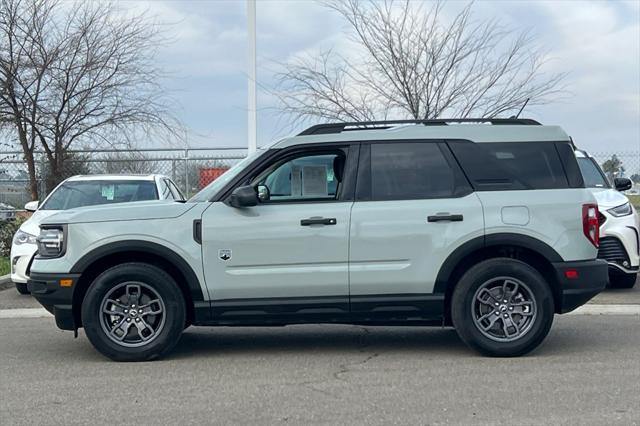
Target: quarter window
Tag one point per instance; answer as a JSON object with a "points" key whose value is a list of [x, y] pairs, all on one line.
{"points": [[166, 191], [404, 171], [511, 165]]}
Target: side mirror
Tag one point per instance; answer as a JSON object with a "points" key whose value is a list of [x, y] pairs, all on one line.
{"points": [[31, 206], [243, 196], [622, 184]]}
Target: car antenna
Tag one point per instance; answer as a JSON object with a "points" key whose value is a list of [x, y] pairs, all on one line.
{"points": [[519, 112]]}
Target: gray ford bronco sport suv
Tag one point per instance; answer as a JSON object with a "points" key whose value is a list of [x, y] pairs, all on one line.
{"points": [[483, 225]]}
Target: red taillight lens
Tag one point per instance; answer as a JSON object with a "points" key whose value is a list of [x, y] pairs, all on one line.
{"points": [[590, 223]]}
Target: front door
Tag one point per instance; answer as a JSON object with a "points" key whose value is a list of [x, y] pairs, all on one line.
{"points": [[287, 257]]}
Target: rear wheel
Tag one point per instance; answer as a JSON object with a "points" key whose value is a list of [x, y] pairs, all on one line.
{"points": [[502, 307], [22, 288], [620, 280], [133, 312]]}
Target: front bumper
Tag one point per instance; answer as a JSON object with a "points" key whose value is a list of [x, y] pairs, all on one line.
{"points": [[55, 298], [579, 282], [21, 258]]}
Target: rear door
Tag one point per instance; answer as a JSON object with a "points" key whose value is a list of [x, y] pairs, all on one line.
{"points": [[413, 208]]}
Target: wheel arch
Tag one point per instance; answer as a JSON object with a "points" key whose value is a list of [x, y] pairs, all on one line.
{"points": [[100, 259], [516, 246]]}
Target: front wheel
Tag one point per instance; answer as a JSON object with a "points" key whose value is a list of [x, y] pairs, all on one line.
{"points": [[620, 280], [502, 307], [133, 312], [22, 288]]}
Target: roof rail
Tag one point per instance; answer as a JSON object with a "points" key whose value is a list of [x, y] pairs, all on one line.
{"points": [[322, 129]]}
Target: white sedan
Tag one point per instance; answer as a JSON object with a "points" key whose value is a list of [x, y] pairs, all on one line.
{"points": [[82, 191]]}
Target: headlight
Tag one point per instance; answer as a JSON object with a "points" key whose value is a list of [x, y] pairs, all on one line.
{"points": [[22, 237], [623, 210], [51, 242]]}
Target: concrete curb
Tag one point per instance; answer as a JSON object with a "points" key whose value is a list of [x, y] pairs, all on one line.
{"points": [[5, 282]]}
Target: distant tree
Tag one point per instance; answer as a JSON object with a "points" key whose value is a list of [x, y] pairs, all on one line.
{"points": [[127, 162], [613, 167], [635, 178], [409, 61], [73, 74]]}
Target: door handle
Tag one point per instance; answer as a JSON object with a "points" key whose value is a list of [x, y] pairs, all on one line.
{"points": [[318, 221], [445, 218]]}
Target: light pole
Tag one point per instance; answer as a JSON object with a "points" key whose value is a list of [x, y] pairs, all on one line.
{"points": [[252, 113]]}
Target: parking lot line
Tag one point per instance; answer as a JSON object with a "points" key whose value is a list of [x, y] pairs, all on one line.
{"points": [[24, 313]]}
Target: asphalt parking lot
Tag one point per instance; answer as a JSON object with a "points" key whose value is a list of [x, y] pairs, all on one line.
{"points": [[586, 372]]}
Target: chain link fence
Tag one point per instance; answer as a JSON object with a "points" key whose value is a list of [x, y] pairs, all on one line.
{"points": [[619, 164], [190, 169]]}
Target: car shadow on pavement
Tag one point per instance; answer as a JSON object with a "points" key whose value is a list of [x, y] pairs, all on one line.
{"points": [[326, 339]]}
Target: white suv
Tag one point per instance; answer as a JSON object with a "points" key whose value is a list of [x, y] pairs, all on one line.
{"points": [[619, 242], [81, 191], [480, 224]]}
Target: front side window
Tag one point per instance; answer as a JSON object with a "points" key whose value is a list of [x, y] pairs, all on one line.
{"points": [[166, 190], [73, 194], [303, 178], [406, 171], [591, 174]]}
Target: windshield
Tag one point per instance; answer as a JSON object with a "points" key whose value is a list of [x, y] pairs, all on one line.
{"points": [[593, 177], [209, 191], [73, 194]]}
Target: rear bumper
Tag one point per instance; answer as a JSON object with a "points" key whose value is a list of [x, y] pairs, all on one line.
{"points": [[591, 277], [55, 298]]}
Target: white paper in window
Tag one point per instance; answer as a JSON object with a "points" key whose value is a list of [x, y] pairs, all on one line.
{"points": [[296, 181], [314, 181], [108, 192]]}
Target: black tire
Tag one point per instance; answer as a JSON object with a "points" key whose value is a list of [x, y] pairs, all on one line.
{"points": [[619, 280], [464, 302], [151, 280], [22, 288]]}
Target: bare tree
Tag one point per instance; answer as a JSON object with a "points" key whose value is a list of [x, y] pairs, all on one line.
{"points": [[129, 162], [78, 75], [409, 61]]}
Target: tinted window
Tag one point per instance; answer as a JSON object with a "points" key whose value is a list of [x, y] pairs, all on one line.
{"points": [[404, 171], [511, 166], [74, 194], [310, 177], [591, 174]]}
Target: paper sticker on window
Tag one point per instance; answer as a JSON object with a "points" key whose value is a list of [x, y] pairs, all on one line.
{"points": [[314, 180], [108, 192], [296, 181]]}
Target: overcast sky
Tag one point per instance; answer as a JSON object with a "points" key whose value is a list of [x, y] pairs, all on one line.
{"points": [[598, 43]]}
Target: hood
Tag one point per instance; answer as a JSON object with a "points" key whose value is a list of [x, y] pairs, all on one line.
{"points": [[32, 225], [608, 198], [140, 210]]}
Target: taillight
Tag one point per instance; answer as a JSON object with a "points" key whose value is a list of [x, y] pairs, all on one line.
{"points": [[590, 223]]}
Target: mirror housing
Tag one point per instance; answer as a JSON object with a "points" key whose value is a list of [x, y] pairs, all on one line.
{"points": [[622, 184], [243, 196], [31, 206]]}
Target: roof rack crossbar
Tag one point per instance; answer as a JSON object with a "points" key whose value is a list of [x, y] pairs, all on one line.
{"points": [[321, 129]]}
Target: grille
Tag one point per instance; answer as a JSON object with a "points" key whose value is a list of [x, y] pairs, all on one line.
{"points": [[612, 250]]}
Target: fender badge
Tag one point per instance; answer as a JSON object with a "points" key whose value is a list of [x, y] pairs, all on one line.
{"points": [[224, 254]]}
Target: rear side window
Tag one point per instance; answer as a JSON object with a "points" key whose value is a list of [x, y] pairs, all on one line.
{"points": [[511, 165], [406, 171]]}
